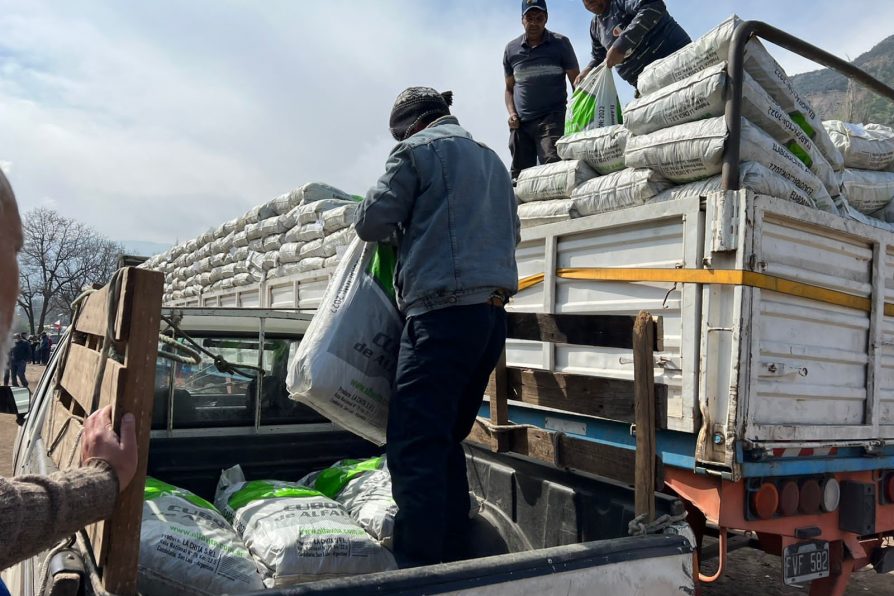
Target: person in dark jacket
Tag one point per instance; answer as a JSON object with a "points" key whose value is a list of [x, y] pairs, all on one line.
{"points": [[21, 352], [630, 35], [45, 345], [447, 200]]}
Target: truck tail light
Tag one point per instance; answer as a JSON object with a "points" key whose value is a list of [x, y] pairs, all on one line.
{"points": [[765, 500], [811, 497], [789, 498], [831, 494]]}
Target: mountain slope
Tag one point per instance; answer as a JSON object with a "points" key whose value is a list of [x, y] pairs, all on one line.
{"points": [[834, 97]]}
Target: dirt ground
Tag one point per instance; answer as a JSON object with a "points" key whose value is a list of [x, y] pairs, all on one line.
{"points": [[750, 572], [9, 428], [754, 573]]}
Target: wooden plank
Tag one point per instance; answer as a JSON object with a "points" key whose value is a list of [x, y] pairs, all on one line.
{"points": [[120, 547], [644, 398], [480, 435], [499, 403], [614, 463], [63, 437], [578, 394], [79, 376], [607, 331], [94, 318]]}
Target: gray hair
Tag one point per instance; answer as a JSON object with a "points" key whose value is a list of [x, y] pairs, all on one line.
{"points": [[7, 197]]}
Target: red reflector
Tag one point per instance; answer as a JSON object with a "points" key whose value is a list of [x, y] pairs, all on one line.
{"points": [[811, 497], [788, 498], [765, 500]]}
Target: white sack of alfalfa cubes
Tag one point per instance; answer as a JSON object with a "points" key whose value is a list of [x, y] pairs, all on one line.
{"points": [[704, 94], [344, 367], [552, 181], [695, 150], [865, 147], [296, 533], [712, 48], [364, 488], [187, 547], [601, 148]]}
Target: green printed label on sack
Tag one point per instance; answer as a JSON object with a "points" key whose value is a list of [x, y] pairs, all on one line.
{"points": [[585, 110], [800, 153], [258, 490], [156, 488], [382, 266], [333, 480], [594, 104], [801, 120]]}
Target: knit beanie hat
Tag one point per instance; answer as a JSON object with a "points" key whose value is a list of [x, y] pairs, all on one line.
{"points": [[418, 106]]}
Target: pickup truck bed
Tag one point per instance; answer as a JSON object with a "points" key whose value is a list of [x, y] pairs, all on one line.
{"points": [[534, 520], [537, 527]]}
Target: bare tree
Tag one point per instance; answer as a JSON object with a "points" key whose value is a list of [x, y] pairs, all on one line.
{"points": [[60, 256]]}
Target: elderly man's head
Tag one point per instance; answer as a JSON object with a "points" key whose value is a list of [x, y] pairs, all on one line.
{"points": [[10, 245]]}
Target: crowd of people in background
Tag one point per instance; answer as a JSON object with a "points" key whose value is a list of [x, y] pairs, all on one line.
{"points": [[35, 349]]}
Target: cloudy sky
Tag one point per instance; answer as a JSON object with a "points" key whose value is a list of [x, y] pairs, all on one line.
{"points": [[154, 121]]}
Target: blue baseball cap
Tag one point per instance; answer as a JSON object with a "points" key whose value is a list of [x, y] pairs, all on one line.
{"points": [[532, 4]]}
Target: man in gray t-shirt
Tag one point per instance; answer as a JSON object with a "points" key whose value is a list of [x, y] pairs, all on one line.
{"points": [[536, 65]]}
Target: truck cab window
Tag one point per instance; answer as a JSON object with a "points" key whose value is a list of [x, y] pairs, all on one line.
{"points": [[204, 396]]}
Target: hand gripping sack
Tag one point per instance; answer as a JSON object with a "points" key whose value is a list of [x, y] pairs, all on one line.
{"points": [[594, 104], [344, 366]]}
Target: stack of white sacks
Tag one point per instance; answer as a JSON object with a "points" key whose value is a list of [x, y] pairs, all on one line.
{"points": [[674, 137], [868, 177], [300, 231]]}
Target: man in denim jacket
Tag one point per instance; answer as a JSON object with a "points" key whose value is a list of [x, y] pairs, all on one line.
{"points": [[448, 202]]}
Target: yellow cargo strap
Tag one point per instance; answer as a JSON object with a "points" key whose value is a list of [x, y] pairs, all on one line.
{"points": [[725, 277]]}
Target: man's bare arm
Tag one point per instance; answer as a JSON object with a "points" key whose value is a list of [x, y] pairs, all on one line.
{"points": [[509, 96]]}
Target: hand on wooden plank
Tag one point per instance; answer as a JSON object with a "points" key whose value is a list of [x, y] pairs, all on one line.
{"points": [[100, 441]]}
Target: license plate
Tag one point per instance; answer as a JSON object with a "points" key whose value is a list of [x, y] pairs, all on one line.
{"points": [[805, 561]]}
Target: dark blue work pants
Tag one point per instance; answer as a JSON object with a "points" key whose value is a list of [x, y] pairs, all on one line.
{"points": [[446, 357], [16, 372]]}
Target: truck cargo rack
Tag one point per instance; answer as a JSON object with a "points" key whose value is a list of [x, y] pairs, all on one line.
{"points": [[744, 32]]}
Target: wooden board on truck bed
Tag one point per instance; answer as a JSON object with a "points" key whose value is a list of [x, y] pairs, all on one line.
{"points": [[129, 309]]}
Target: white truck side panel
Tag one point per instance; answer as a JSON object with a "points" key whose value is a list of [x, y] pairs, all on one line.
{"points": [[302, 290], [671, 238], [885, 342], [741, 363], [816, 372]]}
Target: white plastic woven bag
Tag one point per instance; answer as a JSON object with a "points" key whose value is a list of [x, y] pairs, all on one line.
{"points": [[869, 147], [694, 151], [594, 103], [344, 366], [601, 148], [627, 188], [552, 181], [713, 48], [297, 534], [187, 547]]}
